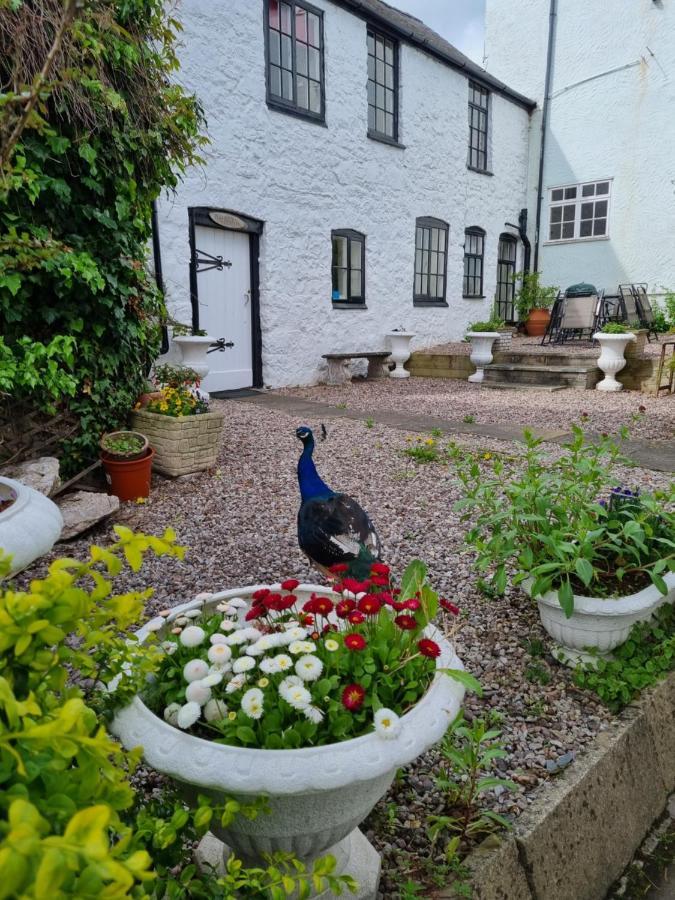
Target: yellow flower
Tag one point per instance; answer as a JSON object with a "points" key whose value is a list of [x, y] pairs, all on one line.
{"points": [[430, 442], [487, 456], [141, 500], [263, 682], [232, 716]]}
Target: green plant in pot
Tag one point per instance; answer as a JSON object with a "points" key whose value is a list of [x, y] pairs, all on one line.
{"points": [[127, 461], [533, 302], [124, 445]]}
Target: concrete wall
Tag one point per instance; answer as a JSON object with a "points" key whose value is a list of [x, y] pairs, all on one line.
{"points": [[303, 180], [611, 116]]}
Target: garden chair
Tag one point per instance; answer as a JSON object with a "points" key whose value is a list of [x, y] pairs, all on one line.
{"points": [[637, 308], [575, 318]]}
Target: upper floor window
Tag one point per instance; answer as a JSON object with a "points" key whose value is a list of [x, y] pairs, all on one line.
{"points": [[474, 246], [382, 86], [579, 211], [479, 98], [431, 261], [348, 269], [294, 44]]}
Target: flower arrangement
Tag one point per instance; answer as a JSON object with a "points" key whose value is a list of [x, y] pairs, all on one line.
{"points": [[178, 393], [280, 673]]}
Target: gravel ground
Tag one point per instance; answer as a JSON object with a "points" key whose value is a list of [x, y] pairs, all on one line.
{"points": [[238, 523], [454, 400], [521, 344]]}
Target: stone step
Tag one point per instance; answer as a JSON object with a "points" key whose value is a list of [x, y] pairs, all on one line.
{"points": [[548, 359], [514, 386], [566, 376]]}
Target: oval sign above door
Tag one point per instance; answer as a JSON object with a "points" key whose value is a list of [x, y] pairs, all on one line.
{"points": [[227, 220]]}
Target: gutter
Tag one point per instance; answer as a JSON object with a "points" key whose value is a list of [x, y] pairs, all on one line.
{"points": [[553, 12]]}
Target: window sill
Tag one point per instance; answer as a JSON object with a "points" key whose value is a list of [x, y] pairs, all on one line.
{"points": [[383, 139], [429, 303], [480, 171], [345, 304], [297, 113], [584, 240], [473, 296]]}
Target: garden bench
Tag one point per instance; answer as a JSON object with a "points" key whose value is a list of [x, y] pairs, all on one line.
{"points": [[338, 365]]}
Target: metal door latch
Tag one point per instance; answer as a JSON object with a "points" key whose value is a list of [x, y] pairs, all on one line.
{"points": [[220, 344]]}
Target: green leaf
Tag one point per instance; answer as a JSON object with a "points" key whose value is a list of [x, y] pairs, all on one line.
{"points": [[584, 570], [566, 597], [469, 681]]}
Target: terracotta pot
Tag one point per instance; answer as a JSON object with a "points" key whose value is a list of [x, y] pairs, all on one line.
{"points": [[128, 479], [125, 456], [537, 322]]}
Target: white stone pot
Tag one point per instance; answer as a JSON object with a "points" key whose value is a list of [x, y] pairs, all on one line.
{"points": [[194, 349], [598, 623], [317, 795], [399, 341], [611, 359], [481, 351], [30, 527]]}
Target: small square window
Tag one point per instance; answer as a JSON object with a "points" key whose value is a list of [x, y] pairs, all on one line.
{"points": [[584, 217]]}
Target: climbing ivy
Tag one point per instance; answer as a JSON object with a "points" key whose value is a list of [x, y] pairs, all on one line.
{"points": [[110, 130]]}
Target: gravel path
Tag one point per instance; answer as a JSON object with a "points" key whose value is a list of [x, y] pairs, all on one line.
{"points": [[238, 523]]}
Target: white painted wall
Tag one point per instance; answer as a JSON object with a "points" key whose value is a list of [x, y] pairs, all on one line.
{"points": [[303, 180], [611, 116]]}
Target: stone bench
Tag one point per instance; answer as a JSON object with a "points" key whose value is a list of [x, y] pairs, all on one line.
{"points": [[338, 365]]}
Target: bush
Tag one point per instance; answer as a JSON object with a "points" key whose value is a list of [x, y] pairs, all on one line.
{"points": [[531, 294]]}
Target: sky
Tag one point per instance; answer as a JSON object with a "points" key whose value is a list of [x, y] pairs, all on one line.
{"points": [[458, 21]]}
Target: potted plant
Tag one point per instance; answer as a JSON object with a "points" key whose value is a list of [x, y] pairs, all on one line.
{"points": [[311, 696], [482, 336], [533, 302], [127, 461], [399, 340], [613, 338], [184, 433], [596, 556], [30, 524]]}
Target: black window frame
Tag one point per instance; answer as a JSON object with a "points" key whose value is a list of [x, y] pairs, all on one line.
{"points": [[277, 102], [481, 113], [474, 231], [375, 133], [505, 303], [424, 298], [352, 237]]}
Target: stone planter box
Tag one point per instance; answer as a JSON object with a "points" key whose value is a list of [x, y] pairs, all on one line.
{"points": [[182, 445]]}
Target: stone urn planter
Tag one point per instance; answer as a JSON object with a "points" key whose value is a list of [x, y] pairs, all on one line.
{"points": [[317, 795], [194, 349], [612, 359], [399, 341], [30, 524], [481, 351], [598, 623], [182, 444]]}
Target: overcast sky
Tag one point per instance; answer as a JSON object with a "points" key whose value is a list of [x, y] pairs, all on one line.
{"points": [[458, 21]]}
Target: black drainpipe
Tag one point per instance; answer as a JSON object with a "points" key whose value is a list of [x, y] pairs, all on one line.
{"points": [[522, 231], [544, 121], [159, 278]]}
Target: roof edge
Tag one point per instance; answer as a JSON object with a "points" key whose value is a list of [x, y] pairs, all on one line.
{"points": [[469, 68]]}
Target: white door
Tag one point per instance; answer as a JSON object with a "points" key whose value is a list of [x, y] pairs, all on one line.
{"points": [[225, 306]]}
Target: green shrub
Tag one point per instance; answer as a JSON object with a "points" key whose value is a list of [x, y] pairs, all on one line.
{"points": [[531, 294], [614, 328]]}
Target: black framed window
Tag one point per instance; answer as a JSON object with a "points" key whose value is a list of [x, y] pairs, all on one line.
{"points": [[474, 246], [294, 42], [348, 267], [506, 270], [431, 261], [382, 86], [479, 99]]}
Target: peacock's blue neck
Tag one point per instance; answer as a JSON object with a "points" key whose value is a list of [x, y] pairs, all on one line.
{"points": [[312, 487]]}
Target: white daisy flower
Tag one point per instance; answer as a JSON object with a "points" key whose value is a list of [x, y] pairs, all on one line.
{"points": [[171, 714], [236, 683], [218, 638], [212, 679], [309, 668], [237, 603], [252, 703], [283, 661], [198, 692], [269, 666], [188, 715], [192, 613], [331, 645], [243, 664], [219, 653], [223, 606], [195, 670], [252, 634], [192, 636], [301, 647], [182, 620], [387, 723], [169, 647], [296, 633], [314, 714], [227, 625], [205, 595], [220, 668], [236, 638], [215, 710], [298, 697]]}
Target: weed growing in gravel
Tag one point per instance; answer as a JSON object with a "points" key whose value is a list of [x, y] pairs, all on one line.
{"points": [[469, 419], [340, 406], [436, 432], [369, 422], [537, 674], [534, 646], [424, 450]]}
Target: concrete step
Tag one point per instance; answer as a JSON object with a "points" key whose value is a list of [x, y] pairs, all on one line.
{"points": [[548, 359], [563, 375], [514, 386]]}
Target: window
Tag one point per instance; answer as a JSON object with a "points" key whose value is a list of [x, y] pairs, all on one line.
{"points": [[506, 269], [479, 98], [348, 267], [431, 258], [579, 211], [295, 58], [474, 244], [382, 86]]}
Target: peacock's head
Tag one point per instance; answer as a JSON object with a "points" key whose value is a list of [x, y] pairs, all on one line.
{"points": [[304, 434]]}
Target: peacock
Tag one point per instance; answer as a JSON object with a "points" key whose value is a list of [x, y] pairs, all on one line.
{"points": [[332, 527]]}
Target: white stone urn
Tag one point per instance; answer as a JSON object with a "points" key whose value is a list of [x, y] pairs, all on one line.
{"points": [[317, 795], [598, 623], [612, 359], [194, 349], [399, 341], [30, 526], [481, 351]]}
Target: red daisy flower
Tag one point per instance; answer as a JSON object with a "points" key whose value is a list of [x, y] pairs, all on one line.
{"points": [[272, 601], [324, 606], [429, 648], [255, 612], [355, 642], [356, 618], [356, 587], [386, 597], [290, 584], [379, 581], [406, 623], [306, 620], [413, 604], [261, 594], [379, 568], [397, 605], [338, 568], [353, 697], [344, 607], [328, 627], [370, 605], [451, 607]]}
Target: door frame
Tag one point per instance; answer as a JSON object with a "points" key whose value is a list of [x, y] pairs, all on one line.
{"points": [[230, 220]]}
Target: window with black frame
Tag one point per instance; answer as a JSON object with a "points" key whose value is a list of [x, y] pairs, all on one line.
{"points": [[479, 99], [348, 269], [294, 42], [474, 246], [431, 262], [382, 86], [506, 270]]}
